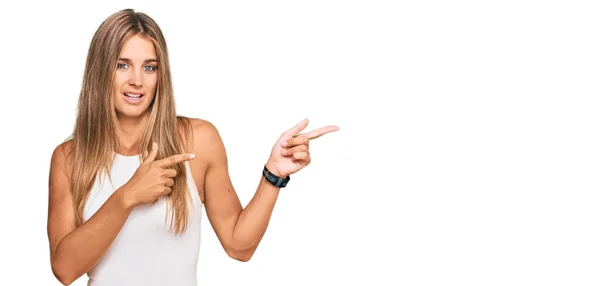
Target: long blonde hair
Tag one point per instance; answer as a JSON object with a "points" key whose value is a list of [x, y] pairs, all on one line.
{"points": [[94, 139]]}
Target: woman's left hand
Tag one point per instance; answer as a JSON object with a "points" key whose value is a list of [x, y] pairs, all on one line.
{"points": [[290, 154]]}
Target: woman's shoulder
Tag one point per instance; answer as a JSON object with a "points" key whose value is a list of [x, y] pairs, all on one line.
{"points": [[62, 154], [199, 133], [64, 147], [198, 124]]}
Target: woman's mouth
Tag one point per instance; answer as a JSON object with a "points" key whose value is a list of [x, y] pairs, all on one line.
{"points": [[133, 97]]}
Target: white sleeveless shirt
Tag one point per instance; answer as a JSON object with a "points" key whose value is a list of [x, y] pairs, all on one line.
{"points": [[145, 252]]}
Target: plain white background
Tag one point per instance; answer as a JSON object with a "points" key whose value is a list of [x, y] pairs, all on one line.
{"points": [[468, 152]]}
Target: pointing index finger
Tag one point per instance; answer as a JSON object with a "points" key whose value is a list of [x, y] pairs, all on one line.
{"points": [[172, 160], [321, 131]]}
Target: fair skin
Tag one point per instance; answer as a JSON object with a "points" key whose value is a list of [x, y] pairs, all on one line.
{"points": [[74, 251]]}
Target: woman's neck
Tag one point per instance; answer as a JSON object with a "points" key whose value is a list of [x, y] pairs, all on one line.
{"points": [[129, 132]]}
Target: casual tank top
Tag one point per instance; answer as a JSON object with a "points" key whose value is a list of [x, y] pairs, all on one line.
{"points": [[145, 252]]}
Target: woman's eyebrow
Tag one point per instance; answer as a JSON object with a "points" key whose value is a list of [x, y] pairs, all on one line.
{"points": [[128, 60]]}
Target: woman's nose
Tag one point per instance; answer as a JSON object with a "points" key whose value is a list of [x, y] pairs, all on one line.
{"points": [[135, 78]]}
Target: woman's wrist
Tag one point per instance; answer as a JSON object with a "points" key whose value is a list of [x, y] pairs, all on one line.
{"points": [[271, 168], [124, 198], [274, 176]]}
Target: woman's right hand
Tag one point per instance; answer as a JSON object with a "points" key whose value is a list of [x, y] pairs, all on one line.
{"points": [[152, 179]]}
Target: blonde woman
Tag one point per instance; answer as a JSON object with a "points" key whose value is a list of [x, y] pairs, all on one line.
{"points": [[128, 188]]}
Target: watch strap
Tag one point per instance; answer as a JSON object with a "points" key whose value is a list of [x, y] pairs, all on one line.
{"points": [[275, 180]]}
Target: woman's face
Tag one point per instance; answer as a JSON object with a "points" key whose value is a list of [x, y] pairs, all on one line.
{"points": [[136, 77]]}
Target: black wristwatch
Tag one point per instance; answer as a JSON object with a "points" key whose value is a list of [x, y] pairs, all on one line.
{"points": [[275, 180]]}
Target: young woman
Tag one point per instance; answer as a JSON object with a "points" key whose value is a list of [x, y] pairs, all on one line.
{"points": [[127, 190]]}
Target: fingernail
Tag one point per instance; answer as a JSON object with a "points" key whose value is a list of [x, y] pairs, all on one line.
{"points": [[284, 152], [284, 143], [192, 156]]}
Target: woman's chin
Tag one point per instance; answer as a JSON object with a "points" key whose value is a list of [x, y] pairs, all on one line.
{"points": [[131, 112]]}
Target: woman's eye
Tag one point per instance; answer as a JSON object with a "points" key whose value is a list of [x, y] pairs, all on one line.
{"points": [[149, 68], [121, 66]]}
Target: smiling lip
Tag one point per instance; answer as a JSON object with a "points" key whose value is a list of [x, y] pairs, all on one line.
{"points": [[133, 97]]}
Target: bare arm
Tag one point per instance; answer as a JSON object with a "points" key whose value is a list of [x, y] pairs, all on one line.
{"points": [[74, 251], [239, 230]]}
